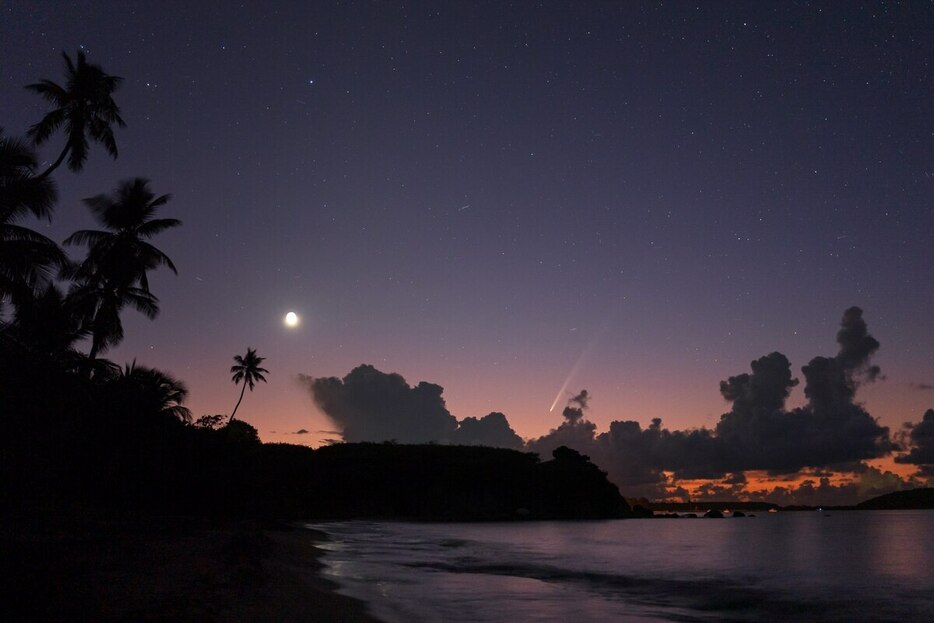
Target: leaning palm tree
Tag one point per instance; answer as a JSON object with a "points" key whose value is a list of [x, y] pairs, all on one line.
{"points": [[28, 260], [246, 369], [114, 273], [84, 107]]}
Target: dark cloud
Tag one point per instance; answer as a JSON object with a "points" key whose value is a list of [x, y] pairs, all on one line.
{"points": [[758, 433], [856, 345], [572, 413], [817, 489], [739, 478], [574, 432], [871, 482], [300, 431], [925, 387], [369, 405], [718, 491], [490, 430], [765, 390], [920, 436], [629, 454], [831, 382]]}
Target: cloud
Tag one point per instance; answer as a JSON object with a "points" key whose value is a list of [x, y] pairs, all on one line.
{"points": [[871, 482], [925, 387], [573, 414], [856, 345], [300, 431], [920, 436], [831, 432], [738, 478], [490, 430], [369, 405], [817, 489], [831, 383], [758, 433]]}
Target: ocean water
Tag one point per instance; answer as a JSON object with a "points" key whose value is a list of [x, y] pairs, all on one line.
{"points": [[804, 566]]}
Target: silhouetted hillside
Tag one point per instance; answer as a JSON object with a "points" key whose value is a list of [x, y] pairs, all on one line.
{"points": [[912, 499], [458, 483], [70, 441]]}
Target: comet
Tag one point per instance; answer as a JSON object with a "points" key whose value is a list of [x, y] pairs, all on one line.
{"points": [[572, 374], [577, 364]]}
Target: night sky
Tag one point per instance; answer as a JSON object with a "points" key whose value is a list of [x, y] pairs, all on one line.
{"points": [[496, 196]]}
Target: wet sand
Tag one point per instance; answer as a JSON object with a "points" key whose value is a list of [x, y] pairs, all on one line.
{"points": [[167, 570]]}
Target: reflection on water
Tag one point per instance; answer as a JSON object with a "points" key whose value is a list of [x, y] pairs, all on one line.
{"points": [[849, 566]]}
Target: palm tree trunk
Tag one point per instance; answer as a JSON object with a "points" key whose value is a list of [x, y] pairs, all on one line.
{"points": [[55, 164], [238, 403], [92, 355]]}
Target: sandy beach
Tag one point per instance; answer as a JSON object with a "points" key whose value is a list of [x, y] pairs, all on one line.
{"points": [[156, 570]]}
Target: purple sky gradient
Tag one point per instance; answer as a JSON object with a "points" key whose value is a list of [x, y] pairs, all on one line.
{"points": [[475, 194]]}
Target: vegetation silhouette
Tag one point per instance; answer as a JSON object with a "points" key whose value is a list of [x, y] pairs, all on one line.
{"points": [[49, 324], [28, 260], [114, 273], [152, 391], [80, 432], [246, 368], [912, 499], [83, 432], [84, 108]]}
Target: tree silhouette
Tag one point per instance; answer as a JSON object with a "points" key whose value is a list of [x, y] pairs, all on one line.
{"points": [[84, 107], [209, 421], [49, 324], [150, 392], [100, 305], [114, 273], [246, 369], [28, 260]]}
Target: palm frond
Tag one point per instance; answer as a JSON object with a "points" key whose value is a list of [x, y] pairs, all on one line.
{"points": [[50, 91], [157, 226], [69, 65], [84, 106], [143, 301], [87, 237], [154, 257]]}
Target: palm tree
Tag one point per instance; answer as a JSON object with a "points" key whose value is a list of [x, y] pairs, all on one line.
{"points": [[28, 259], [100, 305], [246, 369], [149, 391], [84, 107], [114, 273], [49, 324], [121, 254]]}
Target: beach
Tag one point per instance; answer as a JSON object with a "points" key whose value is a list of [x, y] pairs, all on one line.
{"points": [[167, 569]]}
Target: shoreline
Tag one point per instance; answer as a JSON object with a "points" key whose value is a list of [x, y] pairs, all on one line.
{"points": [[303, 589], [168, 569]]}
